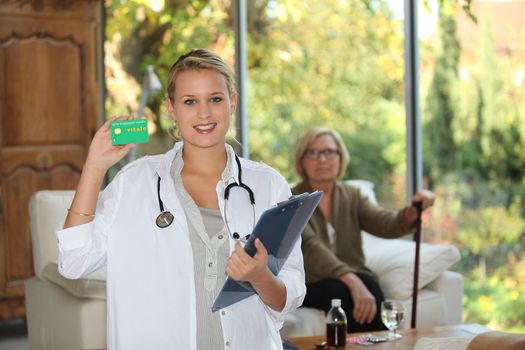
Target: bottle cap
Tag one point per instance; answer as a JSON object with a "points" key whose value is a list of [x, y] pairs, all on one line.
{"points": [[336, 302]]}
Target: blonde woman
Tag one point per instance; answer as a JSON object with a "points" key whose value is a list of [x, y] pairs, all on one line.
{"points": [[334, 261], [171, 227]]}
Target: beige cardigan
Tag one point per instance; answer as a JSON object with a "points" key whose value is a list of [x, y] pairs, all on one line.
{"points": [[352, 212]]}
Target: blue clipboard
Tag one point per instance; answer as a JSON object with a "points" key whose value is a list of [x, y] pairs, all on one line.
{"points": [[278, 228]]}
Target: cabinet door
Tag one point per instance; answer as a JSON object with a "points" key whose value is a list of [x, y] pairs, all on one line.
{"points": [[49, 110]]}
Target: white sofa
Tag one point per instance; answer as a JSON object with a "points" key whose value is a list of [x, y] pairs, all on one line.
{"points": [[67, 314], [440, 297]]}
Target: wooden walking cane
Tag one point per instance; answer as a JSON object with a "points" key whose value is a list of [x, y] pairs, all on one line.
{"points": [[419, 207]]}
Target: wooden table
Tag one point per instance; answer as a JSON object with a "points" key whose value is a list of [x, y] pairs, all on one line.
{"points": [[410, 337]]}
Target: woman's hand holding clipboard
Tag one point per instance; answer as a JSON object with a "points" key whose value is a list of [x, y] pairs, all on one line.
{"points": [[278, 229]]}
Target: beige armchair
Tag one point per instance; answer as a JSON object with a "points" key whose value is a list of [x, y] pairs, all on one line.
{"points": [[62, 314]]}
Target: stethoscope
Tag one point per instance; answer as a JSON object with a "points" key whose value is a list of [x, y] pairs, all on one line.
{"points": [[165, 218]]}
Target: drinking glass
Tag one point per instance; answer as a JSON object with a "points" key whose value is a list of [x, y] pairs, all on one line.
{"points": [[392, 315]]}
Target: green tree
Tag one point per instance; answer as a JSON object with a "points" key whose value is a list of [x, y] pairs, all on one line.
{"points": [[440, 146], [494, 145], [505, 163], [485, 228]]}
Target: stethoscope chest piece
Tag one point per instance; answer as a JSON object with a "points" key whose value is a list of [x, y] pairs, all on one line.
{"points": [[164, 219]]}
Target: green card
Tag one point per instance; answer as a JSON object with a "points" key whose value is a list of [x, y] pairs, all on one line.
{"points": [[129, 131]]}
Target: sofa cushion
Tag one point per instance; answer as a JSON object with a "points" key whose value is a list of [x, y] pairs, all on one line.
{"points": [[393, 263], [393, 260], [94, 286]]}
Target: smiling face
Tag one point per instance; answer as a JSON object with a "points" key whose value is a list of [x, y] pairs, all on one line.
{"points": [[202, 107], [322, 167]]}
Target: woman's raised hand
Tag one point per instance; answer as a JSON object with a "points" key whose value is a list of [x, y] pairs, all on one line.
{"points": [[102, 154]]}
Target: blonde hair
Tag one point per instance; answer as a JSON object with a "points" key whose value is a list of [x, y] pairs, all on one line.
{"points": [[194, 60], [200, 59], [309, 138]]}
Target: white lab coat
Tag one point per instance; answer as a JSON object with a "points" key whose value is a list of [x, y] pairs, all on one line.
{"points": [[150, 278]]}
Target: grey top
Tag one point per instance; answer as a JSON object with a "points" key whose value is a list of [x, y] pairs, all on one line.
{"points": [[209, 243], [213, 221]]}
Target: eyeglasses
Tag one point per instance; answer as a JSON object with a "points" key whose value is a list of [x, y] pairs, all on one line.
{"points": [[328, 153]]}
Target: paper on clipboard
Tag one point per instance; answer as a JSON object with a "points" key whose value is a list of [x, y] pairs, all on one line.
{"points": [[278, 229]]}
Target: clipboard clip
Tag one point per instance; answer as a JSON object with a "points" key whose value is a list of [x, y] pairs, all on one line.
{"points": [[297, 196]]}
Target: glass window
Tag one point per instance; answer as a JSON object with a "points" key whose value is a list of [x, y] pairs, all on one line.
{"points": [[337, 64], [473, 118]]}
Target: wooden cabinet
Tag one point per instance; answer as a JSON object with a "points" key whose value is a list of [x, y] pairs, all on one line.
{"points": [[50, 107]]}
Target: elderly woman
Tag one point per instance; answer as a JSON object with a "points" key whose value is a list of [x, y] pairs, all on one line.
{"points": [[332, 247]]}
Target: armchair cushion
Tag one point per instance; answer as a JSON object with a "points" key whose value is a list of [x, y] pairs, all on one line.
{"points": [[92, 287], [393, 263]]}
